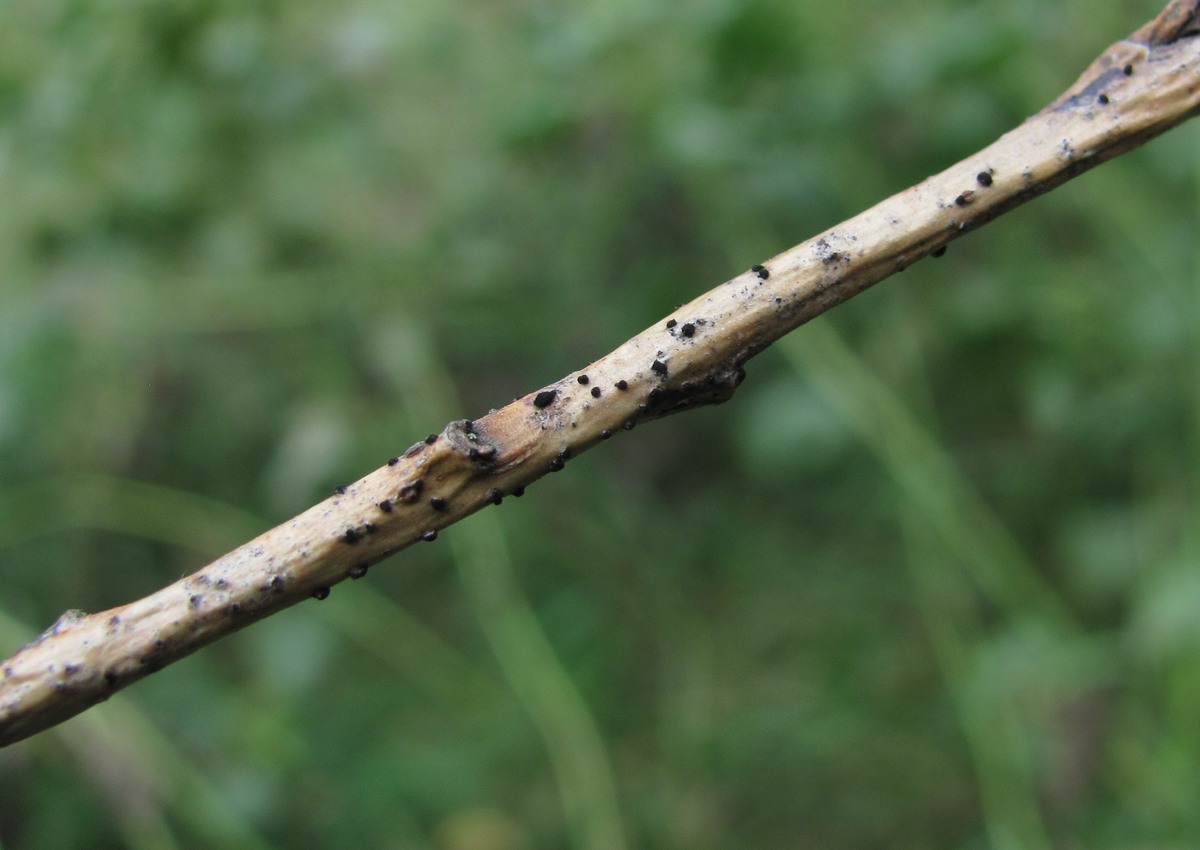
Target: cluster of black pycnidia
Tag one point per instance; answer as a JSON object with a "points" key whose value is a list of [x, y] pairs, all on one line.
{"points": [[560, 460], [484, 455], [687, 330], [761, 271], [584, 380], [411, 492], [964, 199], [545, 398]]}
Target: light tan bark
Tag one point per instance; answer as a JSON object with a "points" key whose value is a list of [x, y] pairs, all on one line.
{"points": [[1135, 90]]}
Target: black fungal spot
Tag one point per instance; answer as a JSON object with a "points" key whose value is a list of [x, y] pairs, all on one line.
{"points": [[351, 536], [392, 461], [495, 496], [320, 593], [276, 584], [468, 425], [761, 271], [595, 392], [235, 609], [629, 423], [518, 492], [688, 329], [429, 536], [369, 527], [984, 178], [339, 491], [411, 491], [583, 379], [671, 323], [938, 252], [431, 439], [622, 384], [544, 398], [1128, 70], [655, 392], [605, 434], [561, 460], [386, 506], [1102, 99], [965, 198], [659, 368], [110, 678], [357, 571], [438, 503], [483, 455], [196, 600]]}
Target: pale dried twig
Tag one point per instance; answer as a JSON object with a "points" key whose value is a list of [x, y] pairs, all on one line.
{"points": [[1135, 90]]}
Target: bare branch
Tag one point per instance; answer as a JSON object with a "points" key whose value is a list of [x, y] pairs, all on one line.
{"points": [[1135, 90]]}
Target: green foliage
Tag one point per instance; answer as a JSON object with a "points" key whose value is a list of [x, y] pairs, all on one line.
{"points": [[929, 580]]}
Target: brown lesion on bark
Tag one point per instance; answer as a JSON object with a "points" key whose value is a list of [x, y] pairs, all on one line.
{"points": [[1179, 20]]}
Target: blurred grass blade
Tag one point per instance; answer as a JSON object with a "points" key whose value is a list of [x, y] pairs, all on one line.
{"points": [[149, 511], [997, 738], [926, 474], [537, 677]]}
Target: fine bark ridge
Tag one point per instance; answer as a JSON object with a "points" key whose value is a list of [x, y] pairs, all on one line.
{"points": [[1138, 88]]}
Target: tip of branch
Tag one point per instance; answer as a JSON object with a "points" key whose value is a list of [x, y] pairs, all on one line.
{"points": [[1180, 19]]}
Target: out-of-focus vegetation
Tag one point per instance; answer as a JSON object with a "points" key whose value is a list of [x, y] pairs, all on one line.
{"points": [[930, 580]]}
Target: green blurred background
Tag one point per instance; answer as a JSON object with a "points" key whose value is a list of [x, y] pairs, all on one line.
{"points": [[930, 580]]}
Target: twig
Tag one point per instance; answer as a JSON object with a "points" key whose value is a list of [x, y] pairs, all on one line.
{"points": [[1135, 90]]}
